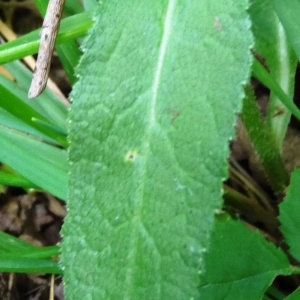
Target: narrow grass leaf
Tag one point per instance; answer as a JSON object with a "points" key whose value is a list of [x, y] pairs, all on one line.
{"points": [[69, 55], [15, 180], [48, 105], [15, 123], [71, 6], [42, 164], [11, 103], [34, 253], [28, 265], [9, 243], [260, 73], [71, 28], [11, 246]]}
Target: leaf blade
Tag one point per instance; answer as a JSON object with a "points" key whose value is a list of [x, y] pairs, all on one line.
{"points": [[271, 45], [250, 265], [40, 163], [148, 162]]}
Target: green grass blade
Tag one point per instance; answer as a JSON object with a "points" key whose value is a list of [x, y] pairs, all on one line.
{"points": [[9, 243], [71, 6], [69, 55], [11, 247], [10, 121], [15, 180], [262, 74], [11, 102], [34, 253], [70, 29], [49, 106], [29, 265], [42, 164]]}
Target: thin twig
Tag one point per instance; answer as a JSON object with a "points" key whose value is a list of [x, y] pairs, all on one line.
{"points": [[48, 36]]}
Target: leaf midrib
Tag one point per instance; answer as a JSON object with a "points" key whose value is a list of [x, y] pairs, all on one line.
{"points": [[167, 29]]}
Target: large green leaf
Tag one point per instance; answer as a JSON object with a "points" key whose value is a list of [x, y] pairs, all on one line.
{"points": [[289, 215], [160, 85], [240, 264]]}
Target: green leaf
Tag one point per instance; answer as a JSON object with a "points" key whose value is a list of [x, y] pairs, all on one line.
{"points": [[289, 215], [42, 164], [19, 256], [240, 263], [8, 243], [272, 47], [71, 7], [264, 142], [264, 77], [11, 103], [16, 123], [71, 28], [34, 253], [29, 265], [69, 55], [288, 14], [49, 106], [149, 130], [11, 245], [15, 180]]}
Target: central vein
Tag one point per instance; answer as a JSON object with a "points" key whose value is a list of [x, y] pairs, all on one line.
{"points": [[161, 58], [162, 52]]}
